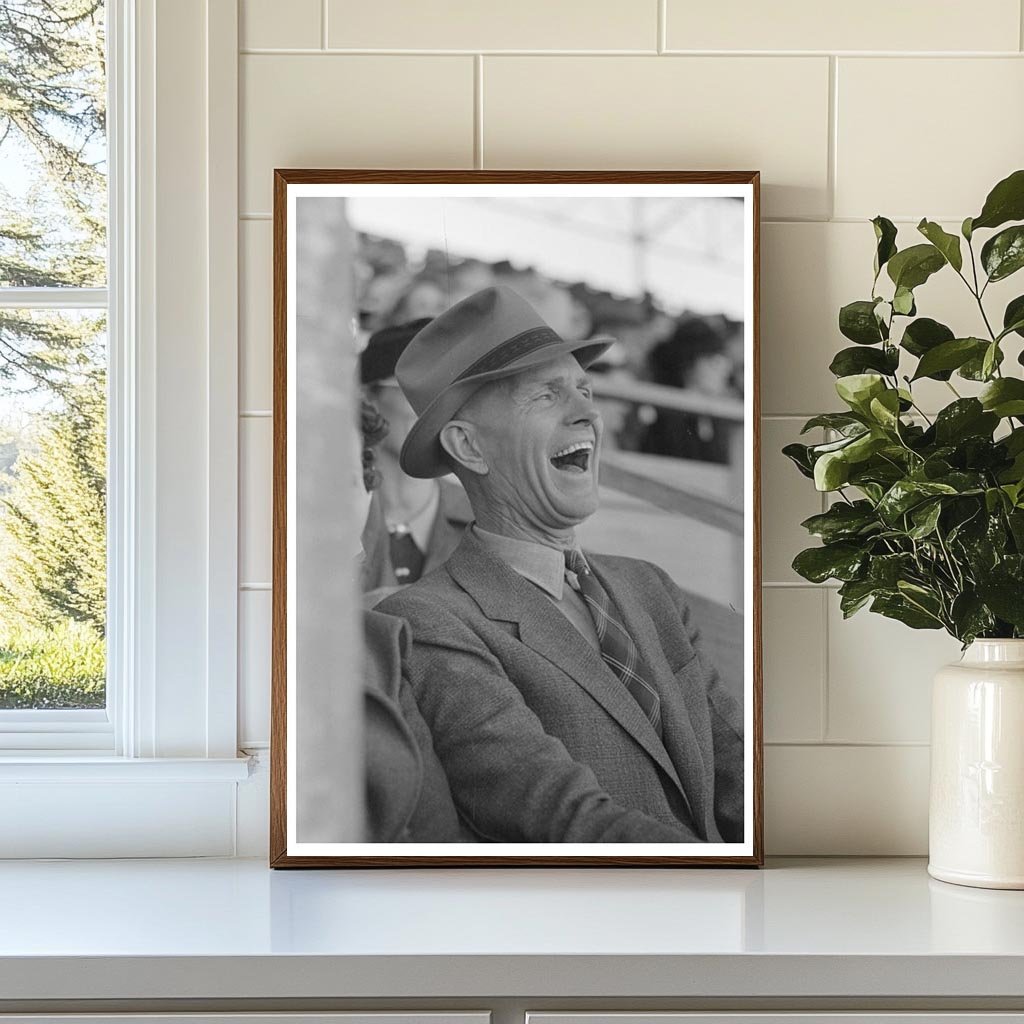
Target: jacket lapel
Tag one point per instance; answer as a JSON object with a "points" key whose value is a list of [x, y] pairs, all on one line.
{"points": [[505, 596], [679, 737]]}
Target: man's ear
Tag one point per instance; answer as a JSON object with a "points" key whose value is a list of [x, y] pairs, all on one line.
{"points": [[458, 438]]}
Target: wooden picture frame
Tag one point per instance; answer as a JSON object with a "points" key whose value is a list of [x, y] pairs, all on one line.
{"points": [[329, 698]]}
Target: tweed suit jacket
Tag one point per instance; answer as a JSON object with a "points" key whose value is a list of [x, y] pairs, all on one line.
{"points": [[540, 740]]}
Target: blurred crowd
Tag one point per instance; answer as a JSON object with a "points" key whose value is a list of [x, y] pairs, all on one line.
{"points": [[702, 354]]}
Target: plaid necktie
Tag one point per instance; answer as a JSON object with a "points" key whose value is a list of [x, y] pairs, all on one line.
{"points": [[617, 646]]}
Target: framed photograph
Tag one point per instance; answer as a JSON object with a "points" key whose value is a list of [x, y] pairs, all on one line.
{"points": [[516, 573]]}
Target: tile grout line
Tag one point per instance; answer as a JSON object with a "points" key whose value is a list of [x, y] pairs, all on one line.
{"points": [[833, 134], [323, 24], [1020, 24], [825, 708], [662, 27], [768, 55], [478, 111]]}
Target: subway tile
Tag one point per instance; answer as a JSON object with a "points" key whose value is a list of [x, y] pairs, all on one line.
{"points": [[846, 801], [787, 498], [271, 24], [469, 25], [808, 271], [351, 111], [880, 676], [255, 505], [870, 25], [961, 129], [254, 611], [255, 319], [679, 113], [793, 637]]}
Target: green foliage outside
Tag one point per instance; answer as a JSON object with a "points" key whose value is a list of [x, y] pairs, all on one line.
{"points": [[52, 365], [928, 522], [59, 667]]}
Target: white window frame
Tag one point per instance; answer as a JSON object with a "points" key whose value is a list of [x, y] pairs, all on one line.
{"points": [[162, 761]]}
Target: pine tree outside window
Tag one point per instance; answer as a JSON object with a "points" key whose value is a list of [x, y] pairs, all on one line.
{"points": [[53, 365]]}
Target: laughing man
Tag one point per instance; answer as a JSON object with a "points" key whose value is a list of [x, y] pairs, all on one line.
{"points": [[568, 694]]}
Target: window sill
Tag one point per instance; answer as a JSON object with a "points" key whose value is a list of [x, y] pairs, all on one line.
{"points": [[78, 767]]}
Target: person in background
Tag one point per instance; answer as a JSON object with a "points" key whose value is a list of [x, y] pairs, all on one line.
{"points": [[408, 799], [694, 358], [414, 525]]}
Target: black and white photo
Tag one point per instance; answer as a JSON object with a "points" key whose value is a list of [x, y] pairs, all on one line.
{"points": [[516, 613]]}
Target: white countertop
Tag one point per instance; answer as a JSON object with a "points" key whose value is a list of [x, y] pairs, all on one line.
{"points": [[234, 929]]}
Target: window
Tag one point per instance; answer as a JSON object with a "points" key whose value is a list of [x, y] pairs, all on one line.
{"points": [[53, 370], [154, 761]]}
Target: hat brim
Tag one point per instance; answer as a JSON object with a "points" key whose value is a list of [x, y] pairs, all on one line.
{"points": [[422, 455]]}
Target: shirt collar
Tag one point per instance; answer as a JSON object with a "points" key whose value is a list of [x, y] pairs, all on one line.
{"points": [[537, 563], [422, 524]]}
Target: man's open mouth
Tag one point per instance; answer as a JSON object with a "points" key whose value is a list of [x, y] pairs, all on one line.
{"points": [[574, 458]]}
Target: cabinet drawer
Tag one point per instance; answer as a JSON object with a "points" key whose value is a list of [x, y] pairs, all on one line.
{"points": [[933, 1017]]}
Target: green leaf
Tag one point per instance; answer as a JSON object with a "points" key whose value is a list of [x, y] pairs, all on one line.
{"points": [[906, 494], [950, 355], [903, 302], [1005, 202], [841, 421], [974, 368], [924, 334], [965, 229], [1013, 317], [1004, 397], [840, 561], [990, 360], [966, 417], [885, 236], [854, 594], [970, 617], [842, 521], [887, 570], [858, 389], [850, 361], [831, 471], [857, 321], [947, 244], [1005, 596], [1003, 254], [899, 608], [885, 409], [799, 455], [925, 518], [912, 267]]}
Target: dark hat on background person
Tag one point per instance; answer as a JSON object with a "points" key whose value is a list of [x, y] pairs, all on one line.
{"points": [[377, 360], [491, 334]]}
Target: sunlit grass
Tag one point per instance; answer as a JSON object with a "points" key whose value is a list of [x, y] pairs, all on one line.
{"points": [[61, 667]]}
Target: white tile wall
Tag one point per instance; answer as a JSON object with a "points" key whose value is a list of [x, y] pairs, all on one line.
{"points": [[874, 25], [699, 113], [471, 25], [838, 138]]}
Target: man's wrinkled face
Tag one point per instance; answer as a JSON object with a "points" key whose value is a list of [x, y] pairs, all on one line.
{"points": [[540, 435]]}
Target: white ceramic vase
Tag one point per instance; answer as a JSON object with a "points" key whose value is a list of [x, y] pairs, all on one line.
{"points": [[976, 815]]}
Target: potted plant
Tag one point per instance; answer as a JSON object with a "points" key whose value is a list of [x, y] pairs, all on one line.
{"points": [[927, 521]]}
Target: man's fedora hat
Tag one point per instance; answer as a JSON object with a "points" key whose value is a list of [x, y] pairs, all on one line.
{"points": [[492, 333]]}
